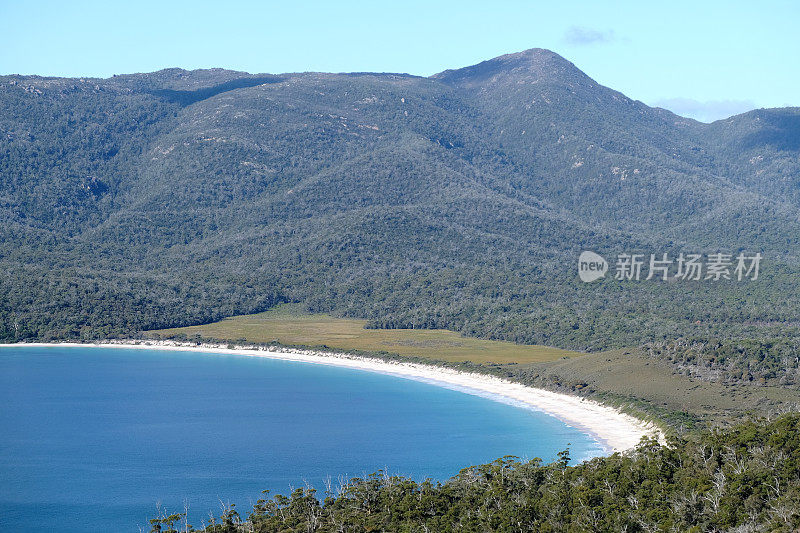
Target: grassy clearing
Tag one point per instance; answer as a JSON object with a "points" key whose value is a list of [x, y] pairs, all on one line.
{"points": [[285, 324], [627, 378], [630, 377]]}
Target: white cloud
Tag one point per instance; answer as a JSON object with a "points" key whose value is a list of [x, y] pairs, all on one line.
{"points": [[582, 36], [705, 111]]}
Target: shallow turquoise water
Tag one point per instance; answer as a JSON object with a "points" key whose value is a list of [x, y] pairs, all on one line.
{"points": [[94, 438]]}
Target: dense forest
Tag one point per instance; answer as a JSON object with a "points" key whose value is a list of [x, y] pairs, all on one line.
{"points": [[746, 479], [459, 201]]}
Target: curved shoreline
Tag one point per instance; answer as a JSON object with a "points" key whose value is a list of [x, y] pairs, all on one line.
{"points": [[615, 430]]}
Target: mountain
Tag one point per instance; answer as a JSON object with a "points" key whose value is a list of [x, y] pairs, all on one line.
{"points": [[598, 153], [461, 200]]}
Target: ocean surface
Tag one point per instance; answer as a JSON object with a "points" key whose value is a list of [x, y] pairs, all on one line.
{"points": [[95, 439]]}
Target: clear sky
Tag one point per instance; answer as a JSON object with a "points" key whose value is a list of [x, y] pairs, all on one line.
{"points": [[706, 59]]}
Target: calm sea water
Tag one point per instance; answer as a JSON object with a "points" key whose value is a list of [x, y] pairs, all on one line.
{"points": [[93, 439]]}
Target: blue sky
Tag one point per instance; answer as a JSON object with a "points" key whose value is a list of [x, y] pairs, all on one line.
{"points": [[703, 59]]}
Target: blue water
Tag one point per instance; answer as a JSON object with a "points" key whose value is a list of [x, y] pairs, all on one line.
{"points": [[92, 439]]}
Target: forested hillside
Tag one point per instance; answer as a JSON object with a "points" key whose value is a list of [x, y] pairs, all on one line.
{"points": [[461, 201]]}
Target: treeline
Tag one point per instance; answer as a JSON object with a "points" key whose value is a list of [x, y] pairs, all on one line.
{"points": [[744, 362], [746, 479]]}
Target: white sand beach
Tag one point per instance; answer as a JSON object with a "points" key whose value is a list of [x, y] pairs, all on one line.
{"points": [[615, 430]]}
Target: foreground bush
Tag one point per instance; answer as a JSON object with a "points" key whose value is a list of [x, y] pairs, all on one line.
{"points": [[744, 479]]}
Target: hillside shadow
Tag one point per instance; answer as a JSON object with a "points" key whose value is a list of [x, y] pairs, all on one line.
{"points": [[186, 98], [781, 131]]}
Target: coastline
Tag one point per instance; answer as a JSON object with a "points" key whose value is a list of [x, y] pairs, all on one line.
{"points": [[615, 430]]}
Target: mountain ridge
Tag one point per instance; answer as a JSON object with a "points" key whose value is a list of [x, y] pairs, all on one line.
{"points": [[459, 200]]}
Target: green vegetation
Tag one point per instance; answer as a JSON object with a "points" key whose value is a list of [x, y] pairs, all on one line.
{"points": [[456, 202], [748, 361], [744, 479], [286, 326]]}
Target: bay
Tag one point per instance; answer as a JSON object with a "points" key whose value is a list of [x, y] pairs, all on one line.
{"points": [[95, 439]]}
